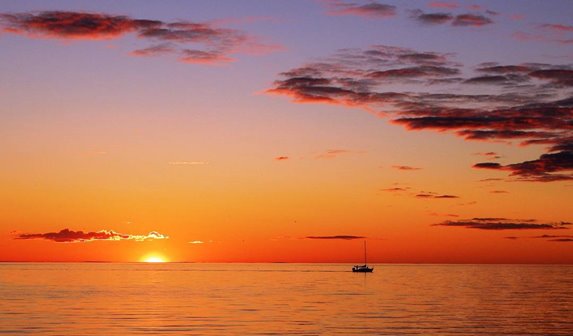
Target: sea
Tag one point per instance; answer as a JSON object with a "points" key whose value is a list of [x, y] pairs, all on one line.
{"points": [[284, 299]]}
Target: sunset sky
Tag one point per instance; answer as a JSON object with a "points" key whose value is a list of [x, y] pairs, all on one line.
{"points": [[286, 131]]}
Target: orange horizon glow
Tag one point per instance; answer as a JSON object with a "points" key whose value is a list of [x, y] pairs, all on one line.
{"points": [[154, 258]]}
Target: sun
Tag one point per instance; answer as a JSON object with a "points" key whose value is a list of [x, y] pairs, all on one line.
{"points": [[153, 258]]}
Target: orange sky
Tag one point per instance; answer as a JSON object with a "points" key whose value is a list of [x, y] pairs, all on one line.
{"points": [[118, 130]]}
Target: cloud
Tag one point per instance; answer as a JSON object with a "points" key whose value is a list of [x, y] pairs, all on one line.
{"points": [[474, 20], [395, 189], [431, 18], [548, 32], [371, 9], [499, 192], [532, 104], [557, 27], [211, 44], [491, 179], [339, 237], [504, 224], [491, 155], [197, 242], [406, 168], [461, 20], [69, 236], [333, 153], [443, 4], [281, 158], [549, 238], [540, 170], [432, 195]]}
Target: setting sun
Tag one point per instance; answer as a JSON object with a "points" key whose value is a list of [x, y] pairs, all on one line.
{"points": [[154, 259]]}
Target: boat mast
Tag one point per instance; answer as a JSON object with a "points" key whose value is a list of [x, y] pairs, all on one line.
{"points": [[365, 252]]}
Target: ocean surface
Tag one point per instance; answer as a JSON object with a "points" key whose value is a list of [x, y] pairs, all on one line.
{"points": [[284, 299]]}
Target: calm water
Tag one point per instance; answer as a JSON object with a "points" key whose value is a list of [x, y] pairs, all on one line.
{"points": [[282, 299]]}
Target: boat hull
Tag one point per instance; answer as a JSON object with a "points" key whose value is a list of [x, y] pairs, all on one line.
{"points": [[362, 269]]}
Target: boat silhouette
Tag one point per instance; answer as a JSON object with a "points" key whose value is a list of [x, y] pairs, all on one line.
{"points": [[363, 268]]}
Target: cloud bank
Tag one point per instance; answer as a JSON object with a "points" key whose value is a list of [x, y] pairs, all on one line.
{"points": [[190, 42], [491, 223], [531, 103], [69, 236]]}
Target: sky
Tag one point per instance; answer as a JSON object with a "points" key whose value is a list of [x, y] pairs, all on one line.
{"points": [[286, 131]]}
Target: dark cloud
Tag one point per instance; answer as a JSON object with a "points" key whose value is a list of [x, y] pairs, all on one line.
{"points": [[431, 195], [281, 158], [471, 20], [499, 192], [340, 237], [431, 18], [538, 170], [462, 20], [372, 9], [534, 105], [69, 236], [211, 44], [504, 224], [395, 189], [407, 168], [491, 179]]}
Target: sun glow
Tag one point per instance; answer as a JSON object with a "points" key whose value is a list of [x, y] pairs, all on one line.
{"points": [[154, 258]]}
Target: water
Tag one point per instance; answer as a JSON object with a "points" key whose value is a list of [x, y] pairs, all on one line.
{"points": [[284, 299]]}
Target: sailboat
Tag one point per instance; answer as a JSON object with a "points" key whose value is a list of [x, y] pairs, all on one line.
{"points": [[363, 268]]}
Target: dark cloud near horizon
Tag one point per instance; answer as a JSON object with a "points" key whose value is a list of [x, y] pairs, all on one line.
{"points": [[338, 237], [549, 238], [69, 236], [210, 44], [536, 111], [431, 195], [504, 224]]}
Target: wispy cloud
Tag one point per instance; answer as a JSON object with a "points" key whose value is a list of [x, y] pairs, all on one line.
{"points": [[490, 155], [190, 42], [396, 189], [550, 238], [338, 237], [334, 153], [69, 236], [281, 158], [372, 9], [406, 168], [492, 223]]}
